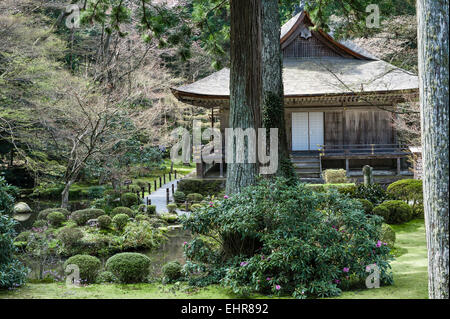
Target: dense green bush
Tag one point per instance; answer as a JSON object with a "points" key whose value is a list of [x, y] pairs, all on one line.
{"points": [[194, 198], [388, 235], [120, 221], [44, 213], [202, 186], [56, 219], [141, 235], [106, 277], [179, 197], [142, 217], [89, 267], [129, 199], [23, 236], [122, 210], [39, 223], [373, 193], [95, 191], [172, 271], [151, 210], [12, 272], [410, 191], [82, 216], [172, 208], [394, 211], [7, 196], [194, 207], [284, 239], [335, 176], [70, 236], [104, 221], [129, 267], [367, 205]]}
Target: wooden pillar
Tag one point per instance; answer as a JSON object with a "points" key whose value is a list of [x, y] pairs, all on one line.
{"points": [[167, 195], [173, 189], [399, 166], [347, 166], [170, 176], [221, 168], [149, 188], [160, 182], [175, 174], [154, 182], [164, 176]]}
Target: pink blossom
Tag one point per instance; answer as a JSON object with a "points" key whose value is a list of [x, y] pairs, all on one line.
{"points": [[346, 269], [185, 243], [226, 197], [244, 263], [337, 281], [277, 287], [268, 278]]}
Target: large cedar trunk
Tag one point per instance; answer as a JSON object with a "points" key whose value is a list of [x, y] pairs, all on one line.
{"points": [[272, 83], [245, 83], [434, 86]]}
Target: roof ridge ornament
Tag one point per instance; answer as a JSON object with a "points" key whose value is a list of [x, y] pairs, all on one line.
{"points": [[305, 32]]}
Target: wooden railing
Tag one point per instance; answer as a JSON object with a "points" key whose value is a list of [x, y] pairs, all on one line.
{"points": [[364, 149]]}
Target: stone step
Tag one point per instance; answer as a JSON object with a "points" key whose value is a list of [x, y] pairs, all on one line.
{"points": [[307, 174]]}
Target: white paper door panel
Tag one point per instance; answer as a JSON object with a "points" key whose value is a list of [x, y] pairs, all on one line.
{"points": [[300, 131], [315, 130]]}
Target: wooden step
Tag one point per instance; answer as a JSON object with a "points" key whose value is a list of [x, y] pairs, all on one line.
{"points": [[311, 180], [307, 165]]}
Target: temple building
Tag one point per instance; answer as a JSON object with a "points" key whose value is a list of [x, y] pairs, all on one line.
{"points": [[338, 99]]}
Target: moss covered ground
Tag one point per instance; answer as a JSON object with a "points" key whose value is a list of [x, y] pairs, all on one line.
{"points": [[409, 268]]}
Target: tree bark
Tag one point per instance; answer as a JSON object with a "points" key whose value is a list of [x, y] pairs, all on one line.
{"points": [[65, 194], [434, 85], [272, 83], [245, 84]]}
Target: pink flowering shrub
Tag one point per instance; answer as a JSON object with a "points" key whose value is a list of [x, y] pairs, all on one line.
{"points": [[280, 239]]}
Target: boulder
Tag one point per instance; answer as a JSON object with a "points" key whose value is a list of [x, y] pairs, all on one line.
{"points": [[22, 208]]}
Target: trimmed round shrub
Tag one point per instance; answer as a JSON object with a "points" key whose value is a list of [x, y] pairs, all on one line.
{"points": [[106, 277], [56, 219], [70, 236], [142, 217], [129, 199], [40, 223], [120, 221], [129, 267], [23, 236], [394, 212], [122, 210], [82, 216], [179, 197], [170, 218], [388, 235], [335, 176], [172, 271], [410, 191], [104, 221], [44, 213], [419, 211], [157, 222], [172, 208], [194, 198], [367, 205], [89, 267]]}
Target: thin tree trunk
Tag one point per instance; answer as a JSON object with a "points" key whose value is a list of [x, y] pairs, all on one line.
{"points": [[65, 194], [434, 85], [245, 83], [272, 83]]}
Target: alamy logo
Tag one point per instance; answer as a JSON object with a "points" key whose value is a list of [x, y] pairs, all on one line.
{"points": [[373, 280], [241, 146], [373, 19], [73, 19]]}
